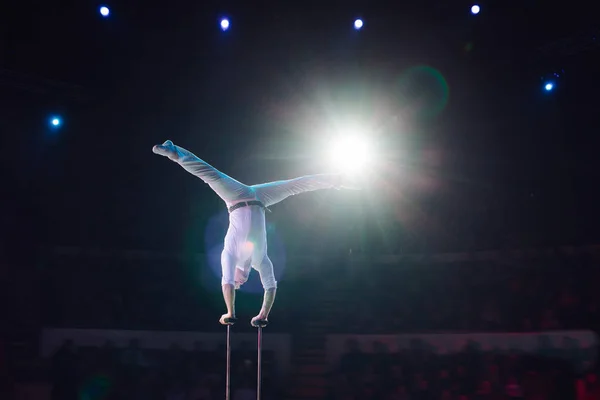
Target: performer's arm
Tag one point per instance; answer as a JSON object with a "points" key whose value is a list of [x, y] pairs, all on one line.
{"points": [[229, 297], [268, 300], [267, 277]]}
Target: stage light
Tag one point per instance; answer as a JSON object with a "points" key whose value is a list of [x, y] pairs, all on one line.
{"points": [[55, 122], [475, 9], [551, 80], [358, 24], [224, 24], [349, 153], [104, 11]]}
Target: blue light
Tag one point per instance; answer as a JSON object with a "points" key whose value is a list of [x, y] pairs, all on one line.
{"points": [[55, 122], [358, 24], [224, 24], [104, 11], [475, 9], [548, 86]]}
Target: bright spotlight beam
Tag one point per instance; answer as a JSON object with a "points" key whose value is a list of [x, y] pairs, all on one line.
{"points": [[349, 154]]}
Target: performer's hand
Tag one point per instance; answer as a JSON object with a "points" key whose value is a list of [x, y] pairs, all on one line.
{"points": [[224, 317], [257, 318]]}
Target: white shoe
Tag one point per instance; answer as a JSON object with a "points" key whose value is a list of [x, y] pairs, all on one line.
{"points": [[166, 149]]}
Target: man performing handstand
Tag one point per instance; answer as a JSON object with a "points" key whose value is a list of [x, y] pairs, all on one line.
{"points": [[246, 239]]}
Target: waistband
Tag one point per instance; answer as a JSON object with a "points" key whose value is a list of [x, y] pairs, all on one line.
{"points": [[246, 204]]}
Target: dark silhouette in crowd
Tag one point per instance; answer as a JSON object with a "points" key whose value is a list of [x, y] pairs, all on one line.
{"points": [[133, 373], [420, 372], [551, 294]]}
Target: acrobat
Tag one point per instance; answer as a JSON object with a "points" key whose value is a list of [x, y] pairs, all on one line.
{"points": [[245, 244]]}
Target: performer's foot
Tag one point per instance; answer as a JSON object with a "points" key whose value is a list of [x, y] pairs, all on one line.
{"points": [[227, 319], [259, 317], [166, 149]]}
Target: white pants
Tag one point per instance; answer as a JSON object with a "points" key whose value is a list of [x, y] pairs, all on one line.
{"points": [[246, 239]]}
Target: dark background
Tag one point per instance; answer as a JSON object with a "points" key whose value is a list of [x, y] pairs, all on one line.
{"points": [[473, 154], [503, 165]]}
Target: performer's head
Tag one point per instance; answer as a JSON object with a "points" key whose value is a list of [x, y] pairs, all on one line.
{"points": [[240, 278]]}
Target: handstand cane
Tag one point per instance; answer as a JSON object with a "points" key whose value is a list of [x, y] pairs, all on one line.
{"points": [[260, 324], [229, 322]]}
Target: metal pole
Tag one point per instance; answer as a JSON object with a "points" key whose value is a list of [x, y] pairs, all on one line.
{"points": [[229, 322], [259, 364], [228, 373]]}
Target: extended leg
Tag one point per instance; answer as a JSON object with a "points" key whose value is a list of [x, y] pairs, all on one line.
{"points": [[274, 192], [224, 186]]}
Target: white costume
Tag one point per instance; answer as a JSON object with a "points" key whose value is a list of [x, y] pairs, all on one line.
{"points": [[246, 239]]}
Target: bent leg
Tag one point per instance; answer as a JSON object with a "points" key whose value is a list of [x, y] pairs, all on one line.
{"points": [[274, 192], [227, 188]]}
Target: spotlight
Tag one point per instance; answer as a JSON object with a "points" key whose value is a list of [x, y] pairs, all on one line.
{"points": [[104, 11], [550, 81], [224, 24], [358, 24], [55, 122], [475, 9], [349, 153]]}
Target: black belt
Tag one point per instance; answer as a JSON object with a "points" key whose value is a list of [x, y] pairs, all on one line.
{"points": [[246, 204]]}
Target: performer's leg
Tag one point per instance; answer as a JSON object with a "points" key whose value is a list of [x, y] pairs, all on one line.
{"points": [[267, 277], [274, 192], [228, 262], [225, 186]]}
